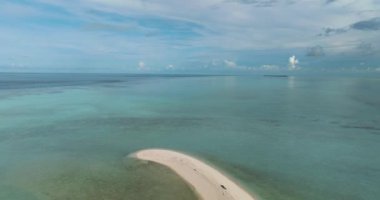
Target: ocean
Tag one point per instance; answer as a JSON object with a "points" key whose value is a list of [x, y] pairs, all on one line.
{"points": [[68, 136]]}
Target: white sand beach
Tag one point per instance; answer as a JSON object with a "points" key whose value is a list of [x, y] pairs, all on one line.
{"points": [[209, 183]]}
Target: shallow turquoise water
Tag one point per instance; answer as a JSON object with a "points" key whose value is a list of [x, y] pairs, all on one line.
{"points": [[303, 137]]}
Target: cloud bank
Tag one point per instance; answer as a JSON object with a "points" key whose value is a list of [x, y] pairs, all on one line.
{"points": [[114, 35]]}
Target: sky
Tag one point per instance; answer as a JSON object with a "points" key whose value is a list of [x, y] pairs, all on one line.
{"points": [[197, 36]]}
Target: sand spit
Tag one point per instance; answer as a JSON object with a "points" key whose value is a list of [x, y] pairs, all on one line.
{"points": [[209, 183]]}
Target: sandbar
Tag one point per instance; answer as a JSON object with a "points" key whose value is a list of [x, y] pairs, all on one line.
{"points": [[208, 182]]}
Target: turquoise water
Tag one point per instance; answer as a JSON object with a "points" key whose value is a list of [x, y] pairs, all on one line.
{"points": [[66, 136]]}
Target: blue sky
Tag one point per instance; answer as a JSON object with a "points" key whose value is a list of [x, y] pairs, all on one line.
{"points": [[198, 36]]}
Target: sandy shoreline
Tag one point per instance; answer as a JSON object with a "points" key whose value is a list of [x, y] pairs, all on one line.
{"points": [[209, 183]]}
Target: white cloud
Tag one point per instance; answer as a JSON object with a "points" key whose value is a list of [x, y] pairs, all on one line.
{"points": [[290, 18], [230, 64], [141, 66], [222, 35], [270, 67], [293, 63], [170, 67]]}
